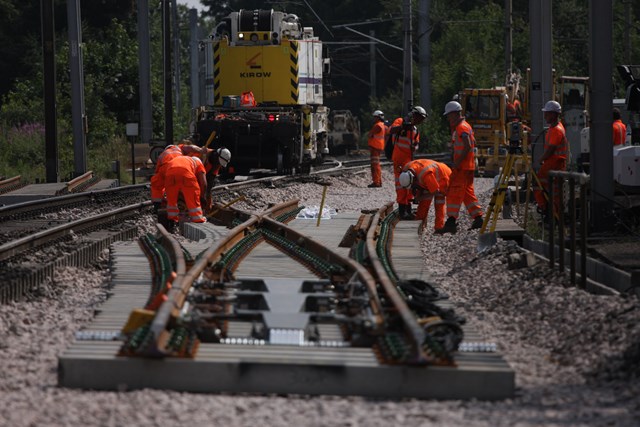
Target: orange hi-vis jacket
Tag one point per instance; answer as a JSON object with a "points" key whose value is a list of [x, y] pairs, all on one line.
{"points": [[463, 128], [619, 132], [181, 176], [406, 143], [157, 180], [430, 175], [377, 135], [556, 136]]}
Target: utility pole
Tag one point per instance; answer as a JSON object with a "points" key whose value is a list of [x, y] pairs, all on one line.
{"points": [[600, 138], [166, 55], [541, 66], [407, 87], [508, 36], [195, 62], [424, 59], [176, 53], [49, 65], [372, 64], [144, 72], [78, 112]]}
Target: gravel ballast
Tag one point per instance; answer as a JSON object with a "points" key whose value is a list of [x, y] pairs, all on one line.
{"points": [[576, 355]]}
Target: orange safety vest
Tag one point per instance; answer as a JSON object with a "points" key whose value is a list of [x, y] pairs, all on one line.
{"points": [[462, 128], [556, 136], [247, 99], [407, 141], [377, 135], [430, 175], [619, 132]]}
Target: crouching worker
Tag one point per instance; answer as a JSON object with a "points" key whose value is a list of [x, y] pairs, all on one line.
{"points": [[428, 180], [214, 161], [157, 180], [185, 175]]}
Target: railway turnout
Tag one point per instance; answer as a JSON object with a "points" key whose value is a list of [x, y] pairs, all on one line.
{"points": [[271, 303]]}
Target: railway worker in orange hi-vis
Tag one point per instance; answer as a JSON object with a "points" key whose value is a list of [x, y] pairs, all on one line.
{"points": [[169, 153], [619, 128], [556, 150], [461, 183], [376, 147], [428, 180], [406, 140], [185, 175], [213, 162]]}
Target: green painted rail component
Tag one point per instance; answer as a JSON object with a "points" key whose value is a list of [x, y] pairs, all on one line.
{"points": [[289, 216], [232, 257], [383, 243], [315, 263], [161, 263]]}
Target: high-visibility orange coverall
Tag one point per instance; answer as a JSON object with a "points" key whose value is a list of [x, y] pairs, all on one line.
{"points": [[432, 181], [556, 137], [461, 186], [157, 180], [377, 135], [169, 153], [619, 132], [407, 141], [185, 175]]}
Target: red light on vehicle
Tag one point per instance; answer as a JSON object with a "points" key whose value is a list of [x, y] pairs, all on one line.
{"points": [[272, 118]]}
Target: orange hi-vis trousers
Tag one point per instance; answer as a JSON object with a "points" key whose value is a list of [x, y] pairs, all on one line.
{"points": [[461, 191], [176, 184], [555, 164], [403, 195], [376, 170], [425, 203]]}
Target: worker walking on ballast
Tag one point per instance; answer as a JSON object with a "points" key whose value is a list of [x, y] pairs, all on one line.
{"points": [[428, 180], [461, 186], [376, 139], [406, 138]]}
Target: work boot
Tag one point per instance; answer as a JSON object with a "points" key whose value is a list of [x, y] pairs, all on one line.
{"points": [[407, 215], [449, 227], [477, 223], [400, 210]]}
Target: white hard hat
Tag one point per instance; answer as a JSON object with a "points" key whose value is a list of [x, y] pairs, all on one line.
{"points": [[451, 107], [406, 179], [553, 107], [378, 113], [420, 111], [224, 156]]}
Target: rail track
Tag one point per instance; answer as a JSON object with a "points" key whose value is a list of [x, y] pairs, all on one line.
{"points": [[265, 299]]}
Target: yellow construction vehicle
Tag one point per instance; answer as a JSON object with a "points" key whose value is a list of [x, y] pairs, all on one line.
{"points": [[486, 112], [264, 86]]}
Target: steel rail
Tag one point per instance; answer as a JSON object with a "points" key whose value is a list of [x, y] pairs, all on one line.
{"points": [[16, 247], [176, 297], [66, 200], [411, 325]]}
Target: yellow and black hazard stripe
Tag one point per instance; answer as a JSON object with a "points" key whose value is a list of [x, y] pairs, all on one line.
{"points": [[293, 57], [216, 73], [306, 125]]}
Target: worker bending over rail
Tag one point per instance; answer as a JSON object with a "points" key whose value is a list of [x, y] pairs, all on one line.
{"points": [[428, 180]]}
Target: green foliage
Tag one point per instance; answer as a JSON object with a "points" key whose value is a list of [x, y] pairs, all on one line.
{"points": [[22, 151]]}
